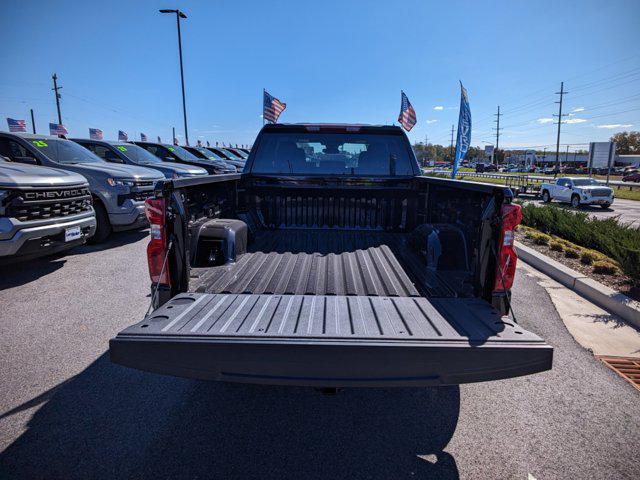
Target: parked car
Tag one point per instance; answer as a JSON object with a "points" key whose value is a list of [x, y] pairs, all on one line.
{"points": [[118, 191], [228, 157], [348, 278], [486, 167], [551, 170], [238, 153], [42, 211], [131, 154], [202, 152], [577, 191], [632, 177], [177, 154]]}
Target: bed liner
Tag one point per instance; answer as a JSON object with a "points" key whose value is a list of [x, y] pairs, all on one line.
{"points": [[325, 262]]}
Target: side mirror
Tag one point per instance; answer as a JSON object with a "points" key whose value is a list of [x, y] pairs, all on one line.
{"points": [[27, 160]]}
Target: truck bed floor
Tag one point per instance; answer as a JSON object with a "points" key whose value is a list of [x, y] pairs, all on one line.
{"points": [[321, 262]]}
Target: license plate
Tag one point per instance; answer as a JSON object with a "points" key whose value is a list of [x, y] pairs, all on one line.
{"points": [[72, 233]]}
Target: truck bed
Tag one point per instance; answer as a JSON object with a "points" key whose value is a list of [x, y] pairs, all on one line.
{"points": [[325, 262], [320, 340]]}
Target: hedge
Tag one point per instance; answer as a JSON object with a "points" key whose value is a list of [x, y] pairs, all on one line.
{"points": [[616, 240]]}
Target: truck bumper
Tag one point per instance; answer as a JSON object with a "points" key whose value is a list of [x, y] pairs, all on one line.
{"points": [[597, 201], [35, 239], [130, 217]]}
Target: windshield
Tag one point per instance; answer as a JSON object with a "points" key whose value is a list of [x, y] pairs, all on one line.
{"points": [[333, 154], [137, 154], [232, 155], [215, 155], [208, 154], [182, 154], [65, 151], [584, 182]]}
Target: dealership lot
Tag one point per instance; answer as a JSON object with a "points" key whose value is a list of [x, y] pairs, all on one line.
{"points": [[66, 411], [628, 211]]}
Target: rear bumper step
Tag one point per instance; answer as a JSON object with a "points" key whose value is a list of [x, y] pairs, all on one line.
{"points": [[330, 341]]}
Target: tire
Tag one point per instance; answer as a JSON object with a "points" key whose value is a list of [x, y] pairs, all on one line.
{"points": [[546, 198], [575, 201], [103, 226], [605, 205]]}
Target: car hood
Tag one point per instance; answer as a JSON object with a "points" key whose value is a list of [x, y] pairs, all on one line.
{"points": [[22, 175], [588, 188], [120, 171], [179, 168]]}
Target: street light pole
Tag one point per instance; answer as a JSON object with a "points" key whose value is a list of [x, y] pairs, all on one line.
{"points": [[180, 15]]}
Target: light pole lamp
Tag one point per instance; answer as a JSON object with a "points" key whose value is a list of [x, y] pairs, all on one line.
{"points": [[180, 15]]}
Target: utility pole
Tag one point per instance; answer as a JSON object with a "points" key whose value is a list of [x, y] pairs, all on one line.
{"points": [[566, 156], [561, 93], [55, 89], [180, 15], [497, 132], [451, 147], [173, 136], [33, 122]]}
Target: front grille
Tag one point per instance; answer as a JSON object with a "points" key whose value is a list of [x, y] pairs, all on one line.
{"points": [[602, 192], [26, 205], [144, 183], [135, 196]]}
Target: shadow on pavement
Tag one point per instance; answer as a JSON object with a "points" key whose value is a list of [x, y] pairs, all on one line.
{"points": [[112, 422], [22, 273]]}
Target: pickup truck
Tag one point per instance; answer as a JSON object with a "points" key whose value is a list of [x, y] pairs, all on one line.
{"points": [[42, 211], [118, 191], [331, 262], [577, 191]]}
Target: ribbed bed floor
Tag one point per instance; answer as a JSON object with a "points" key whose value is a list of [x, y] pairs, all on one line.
{"points": [[304, 262]]}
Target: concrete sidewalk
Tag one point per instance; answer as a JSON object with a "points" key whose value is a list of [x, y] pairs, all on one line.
{"points": [[595, 329]]}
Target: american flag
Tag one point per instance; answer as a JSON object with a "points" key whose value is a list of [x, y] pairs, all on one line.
{"points": [[407, 117], [17, 125], [95, 134], [143, 137], [271, 108], [122, 136], [57, 129]]}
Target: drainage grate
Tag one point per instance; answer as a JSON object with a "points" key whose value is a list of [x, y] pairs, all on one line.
{"points": [[627, 367]]}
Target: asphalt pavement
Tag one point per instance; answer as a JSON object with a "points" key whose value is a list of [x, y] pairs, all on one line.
{"points": [[67, 412], [628, 211]]}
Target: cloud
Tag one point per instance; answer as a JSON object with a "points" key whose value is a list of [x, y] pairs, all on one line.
{"points": [[438, 107], [545, 120], [615, 125], [432, 121], [574, 120], [579, 109]]}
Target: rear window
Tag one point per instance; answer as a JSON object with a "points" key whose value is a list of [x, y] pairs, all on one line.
{"points": [[333, 154]]}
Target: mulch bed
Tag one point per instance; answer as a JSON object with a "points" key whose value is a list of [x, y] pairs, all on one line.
{"points": [[622, 283]]}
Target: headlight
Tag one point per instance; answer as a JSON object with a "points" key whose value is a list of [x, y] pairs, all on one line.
{"points": [[119, 182]]}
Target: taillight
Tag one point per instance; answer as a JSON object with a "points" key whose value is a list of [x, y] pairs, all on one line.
{"points": [[507, 257], [155, 210]]}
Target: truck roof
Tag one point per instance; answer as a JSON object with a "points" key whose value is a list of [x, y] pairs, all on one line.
{"points": [[332, 127], [34, 136]]}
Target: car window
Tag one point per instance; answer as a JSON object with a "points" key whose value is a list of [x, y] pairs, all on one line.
{"points": [[13, 149]]}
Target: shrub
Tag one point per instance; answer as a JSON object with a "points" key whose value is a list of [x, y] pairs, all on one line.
{"points": [[606, 268], [588, 257], [556, 245], [618, 241], [541, 238], [572, 253]]}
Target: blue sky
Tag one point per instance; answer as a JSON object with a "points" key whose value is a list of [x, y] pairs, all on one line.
{"points": [[330, 61]]}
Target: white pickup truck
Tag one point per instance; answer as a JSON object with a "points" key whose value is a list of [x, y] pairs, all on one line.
{"points": [[577, 191]]}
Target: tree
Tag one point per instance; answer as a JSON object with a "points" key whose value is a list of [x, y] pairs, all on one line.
{"points": [[627, 143]]}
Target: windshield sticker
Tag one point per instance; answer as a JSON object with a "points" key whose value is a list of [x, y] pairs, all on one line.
{"points": [[171, 149], [40, 143], [121, 148]]}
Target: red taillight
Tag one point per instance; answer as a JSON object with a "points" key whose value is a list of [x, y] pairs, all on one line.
{"points": [[155, 210], [507, 258]]}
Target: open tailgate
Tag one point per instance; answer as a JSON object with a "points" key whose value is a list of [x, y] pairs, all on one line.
{"points": [[330, 341]]}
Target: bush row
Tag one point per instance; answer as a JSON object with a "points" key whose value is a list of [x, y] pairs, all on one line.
{"points": [[616, 240]]}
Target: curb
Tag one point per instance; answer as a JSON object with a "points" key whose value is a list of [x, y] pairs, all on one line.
{"points": [[603, 296]]}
